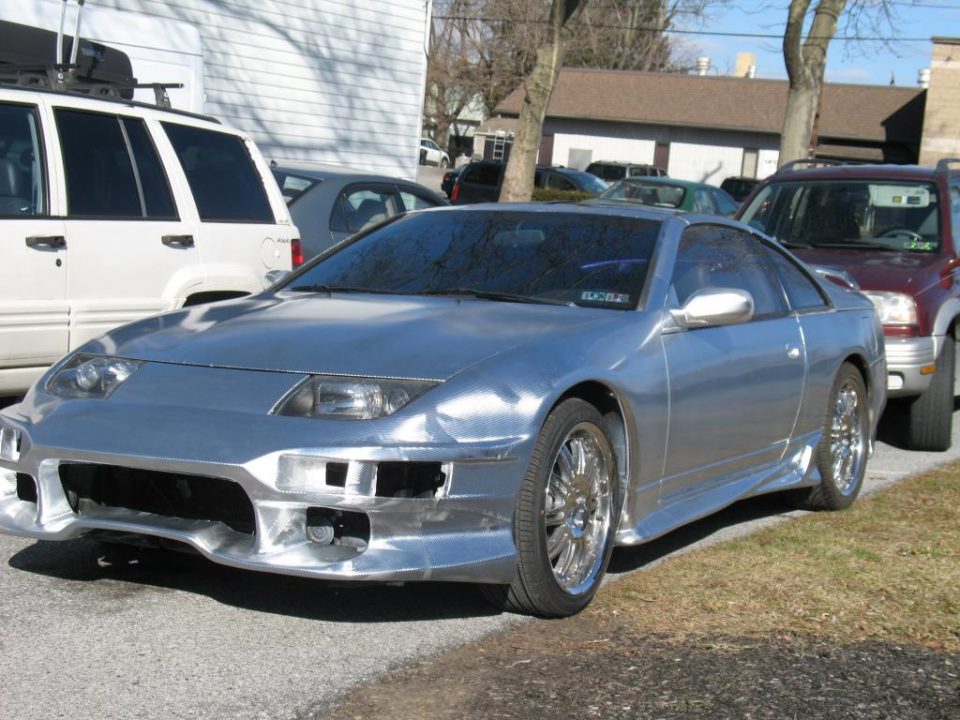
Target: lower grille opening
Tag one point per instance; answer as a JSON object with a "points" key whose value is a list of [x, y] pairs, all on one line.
{"points": [[190, 497], [26, 488], [409, 479]]}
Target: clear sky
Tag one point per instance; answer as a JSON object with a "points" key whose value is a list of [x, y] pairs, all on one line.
{"points": [[862, 62]]}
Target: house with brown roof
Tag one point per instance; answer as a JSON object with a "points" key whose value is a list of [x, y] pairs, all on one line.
{"points": [[706, 128]]}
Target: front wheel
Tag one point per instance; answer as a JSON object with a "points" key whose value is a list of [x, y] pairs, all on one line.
{"points": [[929, 418], [842, 454], [566, 516]]}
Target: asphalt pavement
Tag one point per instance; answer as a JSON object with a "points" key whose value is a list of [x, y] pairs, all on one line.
{"points": [[94, 631]]}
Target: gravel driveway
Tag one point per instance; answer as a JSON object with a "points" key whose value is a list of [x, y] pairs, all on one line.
{"points": [[93, 632]]}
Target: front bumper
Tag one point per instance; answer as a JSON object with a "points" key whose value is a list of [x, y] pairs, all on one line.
{"points": [[460, 532], [908, 364]]}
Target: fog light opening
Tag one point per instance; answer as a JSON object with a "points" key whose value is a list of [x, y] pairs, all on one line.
{"points": [[409, 479], [329, 526], [894, 381], [26, 488]]}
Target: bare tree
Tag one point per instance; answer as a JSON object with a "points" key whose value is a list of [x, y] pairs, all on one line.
{"points": [[538, 87], [805, 60]]}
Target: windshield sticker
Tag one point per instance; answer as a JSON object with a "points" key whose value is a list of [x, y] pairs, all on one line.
{"points": [[605, 297]]}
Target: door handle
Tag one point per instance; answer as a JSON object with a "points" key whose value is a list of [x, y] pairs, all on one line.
{"points": [[54, 242], [179, 241], [793, 352]]}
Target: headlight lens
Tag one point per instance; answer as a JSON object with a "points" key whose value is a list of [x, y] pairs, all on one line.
{"points": [[91, 376], [894, 308], [350, 399]]}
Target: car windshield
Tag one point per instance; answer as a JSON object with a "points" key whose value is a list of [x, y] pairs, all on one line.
{"points": [[643, 191], [581, 258], [849, 214]]}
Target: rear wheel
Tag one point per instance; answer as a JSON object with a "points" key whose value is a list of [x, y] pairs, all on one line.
{"points": [[565, 518], [842, 453], [929, 418]]}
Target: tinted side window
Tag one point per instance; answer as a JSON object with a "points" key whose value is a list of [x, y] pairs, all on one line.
{"points": [[225, 183], [99, 174], [22, 182], [559, 182], [725, 204], [152, 180], [483, 174], [715, 256], [801, 290], [360, 207]]}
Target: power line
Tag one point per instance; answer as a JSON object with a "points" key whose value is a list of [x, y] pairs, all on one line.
{"points": [[672, 31]]}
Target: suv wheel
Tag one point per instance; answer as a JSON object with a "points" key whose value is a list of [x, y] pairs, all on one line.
{"points": [[929, 418]]}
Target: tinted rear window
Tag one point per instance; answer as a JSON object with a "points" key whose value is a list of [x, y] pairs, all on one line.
{"points": [[224, 181]]}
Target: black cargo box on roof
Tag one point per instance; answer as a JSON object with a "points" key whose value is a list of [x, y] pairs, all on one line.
{"points": [[23, 48]]}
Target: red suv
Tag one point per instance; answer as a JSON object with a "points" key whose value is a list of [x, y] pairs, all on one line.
{"points": [[895, 229]]}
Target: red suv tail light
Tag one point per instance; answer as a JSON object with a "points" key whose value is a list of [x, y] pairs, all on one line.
{"points": [[456, 192], [296, 253]]}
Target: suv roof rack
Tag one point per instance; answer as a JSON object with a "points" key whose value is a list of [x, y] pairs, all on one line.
{"points": [[810, 163], [88, 68], [943, 164]]}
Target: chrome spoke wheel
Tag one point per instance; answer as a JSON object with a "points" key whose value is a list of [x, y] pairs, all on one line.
{"points": [[578, 509], [848, 439]]}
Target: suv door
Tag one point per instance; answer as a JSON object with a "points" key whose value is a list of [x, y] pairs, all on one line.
{"points": [[735, 389], [233, 219], [130, 254], [33, 310]]}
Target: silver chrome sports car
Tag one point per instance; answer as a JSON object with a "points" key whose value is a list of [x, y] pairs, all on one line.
{"points": [[493, 394]]}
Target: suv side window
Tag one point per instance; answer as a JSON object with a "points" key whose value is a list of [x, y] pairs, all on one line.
{"points": [[225, 183], [22, 182], [99, 172], [716, 256]]}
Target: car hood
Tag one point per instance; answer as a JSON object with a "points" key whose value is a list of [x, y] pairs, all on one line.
{"points": [[360, 335], [906, 272]]}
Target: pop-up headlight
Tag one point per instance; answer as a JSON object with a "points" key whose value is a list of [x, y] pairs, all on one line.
{"points": [[350, 399], [91, 376]]}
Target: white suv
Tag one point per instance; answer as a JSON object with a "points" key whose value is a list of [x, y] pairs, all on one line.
{"points": [[113, 210]]}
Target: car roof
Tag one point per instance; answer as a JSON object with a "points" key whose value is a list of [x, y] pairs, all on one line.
{"points": [[654, 180], [621, 163], [857, 172], [319, 171], [586, 207]]}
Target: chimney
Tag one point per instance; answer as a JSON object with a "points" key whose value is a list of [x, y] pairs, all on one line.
{"points": [[745, 61], [703, 64], [923, 78]]}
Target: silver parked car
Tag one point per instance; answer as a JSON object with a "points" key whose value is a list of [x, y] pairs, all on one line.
{"points": [[329, 204], [495, 394]]}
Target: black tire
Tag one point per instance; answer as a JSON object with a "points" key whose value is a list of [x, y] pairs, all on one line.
{"points": [[843, 431], [444, 163], [929, 418], [541, 586]]}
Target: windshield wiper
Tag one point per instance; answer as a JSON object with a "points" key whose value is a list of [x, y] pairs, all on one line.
{"points": [[794, 245], [494, 295], [328, 289]]}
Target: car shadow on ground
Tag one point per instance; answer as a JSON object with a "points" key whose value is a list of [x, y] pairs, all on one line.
{"points": [[121, 568]]}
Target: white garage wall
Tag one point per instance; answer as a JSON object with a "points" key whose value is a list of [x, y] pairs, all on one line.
{"points": [[329, 81], [704, 163], [767, 163], [601, 148]]}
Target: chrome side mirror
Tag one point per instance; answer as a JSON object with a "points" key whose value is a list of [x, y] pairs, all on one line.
{"points": [[714, 306]]}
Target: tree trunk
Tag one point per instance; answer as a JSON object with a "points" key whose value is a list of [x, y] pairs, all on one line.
{"points": [[518, 178], [805, 61]]}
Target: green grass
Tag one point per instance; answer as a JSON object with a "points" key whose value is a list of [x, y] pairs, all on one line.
{"points": [[888, 569]]}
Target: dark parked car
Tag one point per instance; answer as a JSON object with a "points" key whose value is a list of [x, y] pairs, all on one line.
{"points": [[739, 187], [480, 181], [329, 204], [895, 229], [671, 193], [610, 170], [449, 180]]}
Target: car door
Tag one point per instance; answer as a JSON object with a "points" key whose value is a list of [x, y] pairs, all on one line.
{"points": [[125, 240], [735, 389], [33, 310]]}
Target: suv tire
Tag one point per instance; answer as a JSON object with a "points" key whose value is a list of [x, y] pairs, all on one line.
{"points": [[929, 418]]}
